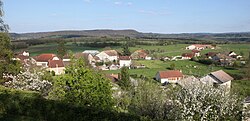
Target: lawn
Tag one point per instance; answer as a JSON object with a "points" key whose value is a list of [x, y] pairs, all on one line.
{"points": [[168, 50], [241, 87], [186, 66]]}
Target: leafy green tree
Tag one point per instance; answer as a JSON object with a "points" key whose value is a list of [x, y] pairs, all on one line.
{"points": [[149, 100], [126, 51], [61, 49], [125, 82], [83, 86], [7, 65], [3, 27]]}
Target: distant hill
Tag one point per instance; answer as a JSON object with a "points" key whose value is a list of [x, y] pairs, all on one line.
{"points": [[85, 33], [240, 36]]}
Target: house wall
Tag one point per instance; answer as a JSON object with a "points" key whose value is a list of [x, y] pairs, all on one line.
{"points": [[105, 57], [232, 54], [191, 47], [148, 58], [58, 71], [112, 58], [55, 58], [66, 60], [169, 80], [186, 58], [207, 80], [126, 63], [227, 84], [197, 54], [26, 54], [43, 64]]}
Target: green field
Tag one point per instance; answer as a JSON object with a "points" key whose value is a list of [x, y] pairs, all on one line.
{"points": [[168, 50], [186, 66]]}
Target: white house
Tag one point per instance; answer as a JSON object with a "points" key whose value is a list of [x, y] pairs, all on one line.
{"points": [[148, 58], [199, 47], [43, 59], [108, 55], [196, 53], [57, 66], [232, 53], [92, 52], [125, 61], [113, 67], [218, 78], [170, 76], [87, 56], [190, 47]]}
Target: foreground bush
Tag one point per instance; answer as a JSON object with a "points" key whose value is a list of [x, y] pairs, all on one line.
{"points": [[32, 105]]}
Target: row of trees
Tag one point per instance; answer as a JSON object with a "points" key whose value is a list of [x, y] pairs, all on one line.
{"points": [[201, 103]]}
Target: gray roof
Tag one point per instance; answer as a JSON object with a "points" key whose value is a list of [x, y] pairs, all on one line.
{"points": [[247, 100], [222, 76]]}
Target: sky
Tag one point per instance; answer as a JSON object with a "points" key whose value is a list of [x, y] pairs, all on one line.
{"points": [[158, 16]]}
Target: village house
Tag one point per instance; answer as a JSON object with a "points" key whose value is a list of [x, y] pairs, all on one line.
{"points": [[125, 61], [24, 53], [21, 56], [43, 59], [165, 59], [210, 55], [56, 66], [186, 56], [92, 52], [66, 58], [218, 78], [223, 59], [139, 54], [114, 67], [148, 58], [170, 76], [196, 53], [234, 55], [199, 47], [108, 55], [86, 56]]}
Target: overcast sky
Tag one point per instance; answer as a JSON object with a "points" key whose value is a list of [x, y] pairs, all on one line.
{"points": [[162, 16]]}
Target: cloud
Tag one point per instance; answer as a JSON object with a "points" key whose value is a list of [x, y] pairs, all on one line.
{"points": [[87, 1], [129, 3], [119, 3], [151, 12]]}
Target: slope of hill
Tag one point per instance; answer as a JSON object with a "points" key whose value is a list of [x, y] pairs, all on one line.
{"points": [[240, 36], [64, 34]]}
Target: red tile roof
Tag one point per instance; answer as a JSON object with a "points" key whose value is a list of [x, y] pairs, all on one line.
{"points": [[55, 63], [211, 53], [139, 54], [188, 55], [22, 57], [195, 51], [45, 57], [111, 52], [170, 74], [124, 58]]}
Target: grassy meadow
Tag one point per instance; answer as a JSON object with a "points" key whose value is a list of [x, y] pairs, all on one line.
{"points": [[187, 67]]}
